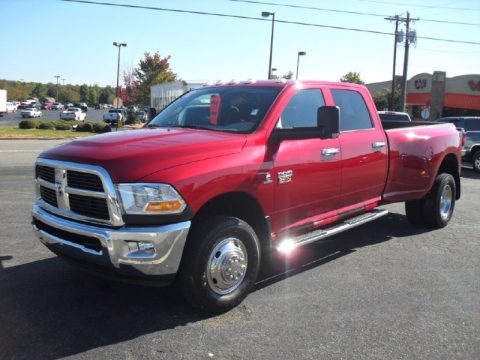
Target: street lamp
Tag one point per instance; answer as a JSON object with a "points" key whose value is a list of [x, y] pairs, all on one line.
{"points": [[274, 70], [57, 76], [300, 53], [267, 14], [119, 45]]}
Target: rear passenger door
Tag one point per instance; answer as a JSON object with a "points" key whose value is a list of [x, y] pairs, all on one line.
{"points": [[307, 171], [364, 150]]}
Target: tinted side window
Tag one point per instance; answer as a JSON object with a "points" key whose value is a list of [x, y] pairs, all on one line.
{"points": [[472, 124], [301, 110], [354, 114]]}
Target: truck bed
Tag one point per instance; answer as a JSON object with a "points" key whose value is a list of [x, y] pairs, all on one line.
{"points": [[416, 151]]}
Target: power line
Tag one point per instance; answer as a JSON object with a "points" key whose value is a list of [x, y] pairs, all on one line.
{"points": [[346, 11], [259, 19], [426, 6]]}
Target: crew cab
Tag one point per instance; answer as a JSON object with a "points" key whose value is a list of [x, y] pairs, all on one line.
{"points": [[228, 174]]}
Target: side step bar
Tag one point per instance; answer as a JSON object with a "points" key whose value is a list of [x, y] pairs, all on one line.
{"points": [[305, 239]]}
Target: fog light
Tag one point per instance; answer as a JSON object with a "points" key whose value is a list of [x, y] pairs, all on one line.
{"points": [[286, 246], [140, 249]]}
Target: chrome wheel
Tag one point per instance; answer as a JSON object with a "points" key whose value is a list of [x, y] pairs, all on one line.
{"points": [[227, 266], [476, 162], [446, 199]]}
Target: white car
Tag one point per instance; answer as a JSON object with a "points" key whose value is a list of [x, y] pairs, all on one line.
{"points": [[73, 114], [11, 107], [57, 106], [31, 113]]}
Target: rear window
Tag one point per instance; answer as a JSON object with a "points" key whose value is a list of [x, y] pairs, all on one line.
{"points": [[394, 117]]}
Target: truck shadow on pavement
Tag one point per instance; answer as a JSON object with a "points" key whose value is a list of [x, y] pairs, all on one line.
{"points": [[51, 310]]}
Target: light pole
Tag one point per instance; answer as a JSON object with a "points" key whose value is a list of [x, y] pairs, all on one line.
{"points": [[57, 76], [274, 70], [300, 53], [267, 14], [119, 45]]}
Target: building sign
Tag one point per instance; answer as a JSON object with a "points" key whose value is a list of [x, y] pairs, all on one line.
{"points": [[475, 86], [420, 84]]}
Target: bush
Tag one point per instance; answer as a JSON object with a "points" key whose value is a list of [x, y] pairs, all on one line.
{"points": [[85, 127], [46, 125], [28, 124], [100, 128], [63, 127]]}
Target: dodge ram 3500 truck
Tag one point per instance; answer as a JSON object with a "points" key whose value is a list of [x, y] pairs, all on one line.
{"points": [[226, 175]]}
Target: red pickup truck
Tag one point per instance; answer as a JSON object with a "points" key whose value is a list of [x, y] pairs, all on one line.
{"points": [[227, 174]]}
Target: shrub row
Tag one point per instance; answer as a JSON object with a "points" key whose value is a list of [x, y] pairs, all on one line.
{"points": [[65, 125]]}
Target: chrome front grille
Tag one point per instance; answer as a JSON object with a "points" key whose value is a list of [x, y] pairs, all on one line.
{"points": [[78, 191]]}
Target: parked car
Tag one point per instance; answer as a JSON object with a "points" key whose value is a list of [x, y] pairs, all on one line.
{"points": [[57, 106], [47, 106], [471, 126], [82, 106], [67, 105], [394, 116], [73, 113], [26, 104], [112, 115], [36, 105], [141, 116], [30, 113], [11, 107], [210, 188]]}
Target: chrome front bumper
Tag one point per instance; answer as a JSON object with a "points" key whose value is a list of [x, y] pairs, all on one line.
{"points": [[160, 247]]}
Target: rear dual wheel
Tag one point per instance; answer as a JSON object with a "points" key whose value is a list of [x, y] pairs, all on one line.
{"points": [[436, 209]]}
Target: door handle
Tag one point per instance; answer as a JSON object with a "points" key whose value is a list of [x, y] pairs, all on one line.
{"points": [[330, 151], [378, 144]]}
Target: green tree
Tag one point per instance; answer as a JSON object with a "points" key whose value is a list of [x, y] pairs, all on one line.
{"points": [[352, 77], [107, 94], [152, 70], [84, 90], [92, 95]]}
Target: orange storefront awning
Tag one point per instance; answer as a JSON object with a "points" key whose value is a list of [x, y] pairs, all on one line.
{"points": [[418, 99], [450, 100], [462, 101]]}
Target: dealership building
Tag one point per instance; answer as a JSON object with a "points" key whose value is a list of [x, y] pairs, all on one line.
{"points": [[436, 95]]}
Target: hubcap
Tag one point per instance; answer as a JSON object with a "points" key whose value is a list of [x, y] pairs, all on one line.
{"points": [[227, 266], [446, 202], [476, 163]]}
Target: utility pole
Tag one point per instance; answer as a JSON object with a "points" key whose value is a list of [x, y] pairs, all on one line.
{"points": [[57, 76], [410, 37], [405, 63], [396, 18]]}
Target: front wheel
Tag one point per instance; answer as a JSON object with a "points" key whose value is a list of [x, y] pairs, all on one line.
{"points": [[220, 264], [439, 204], [476, 161]]}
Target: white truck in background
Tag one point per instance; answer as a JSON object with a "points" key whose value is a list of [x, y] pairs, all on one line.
{"points": [[3, 102]]}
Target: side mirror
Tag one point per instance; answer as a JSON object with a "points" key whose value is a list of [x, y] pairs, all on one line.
{"points": [[328, 119]]}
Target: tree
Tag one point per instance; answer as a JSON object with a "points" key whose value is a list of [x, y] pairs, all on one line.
{"points": [[352, 77], [288, 75], [152, 70], [84, 92]]}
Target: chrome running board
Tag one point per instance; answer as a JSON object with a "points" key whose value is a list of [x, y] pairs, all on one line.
{"points": [[308, 238]]}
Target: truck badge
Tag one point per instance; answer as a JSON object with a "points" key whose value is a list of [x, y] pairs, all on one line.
{"points": [[285, 176]]}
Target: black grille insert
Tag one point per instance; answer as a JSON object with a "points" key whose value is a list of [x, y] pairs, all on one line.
{"points": [[86, 241], [85, 181], [89, 206], [46, 173], [49, 196]]}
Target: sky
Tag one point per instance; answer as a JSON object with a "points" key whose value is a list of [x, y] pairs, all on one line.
{"points": [[44, 38]]}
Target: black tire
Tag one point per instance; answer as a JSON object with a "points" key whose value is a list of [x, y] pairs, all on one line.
{"points": [[440, 202], [198, 282], [476, 161], [414, 211]]}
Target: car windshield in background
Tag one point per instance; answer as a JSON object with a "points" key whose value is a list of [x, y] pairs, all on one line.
{"points": [[233, 109], [394, 117]]}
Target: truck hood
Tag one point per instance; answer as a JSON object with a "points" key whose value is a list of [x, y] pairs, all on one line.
{"points": [[129, 156]]}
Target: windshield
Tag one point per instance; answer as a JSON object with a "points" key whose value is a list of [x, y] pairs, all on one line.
{"points": [[233, 109]]}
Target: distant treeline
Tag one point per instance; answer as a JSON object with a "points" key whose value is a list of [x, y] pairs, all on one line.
{"points": [[20, 90]]}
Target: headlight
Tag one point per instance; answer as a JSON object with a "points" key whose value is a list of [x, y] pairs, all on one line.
{"points": [[150, 199]]}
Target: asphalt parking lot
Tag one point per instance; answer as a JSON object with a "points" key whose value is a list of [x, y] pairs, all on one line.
{"points": [[386, 290], [12, 119]]}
